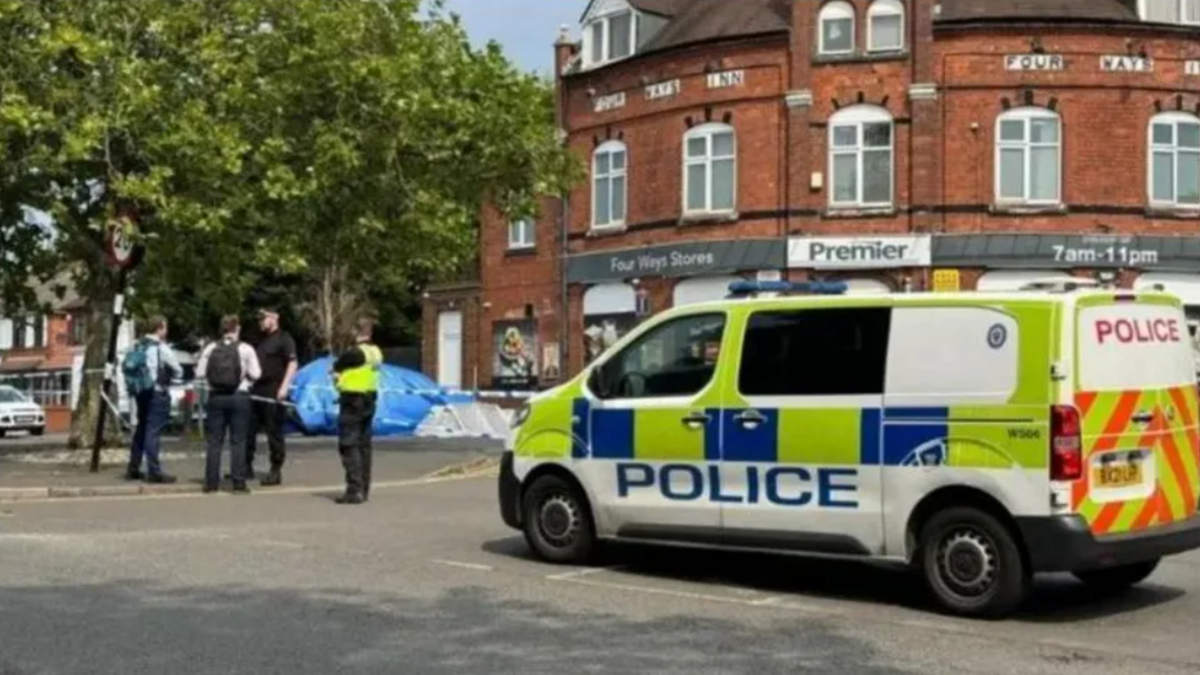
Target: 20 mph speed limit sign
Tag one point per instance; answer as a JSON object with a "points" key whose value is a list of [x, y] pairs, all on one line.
{"points": [[119, 243]]}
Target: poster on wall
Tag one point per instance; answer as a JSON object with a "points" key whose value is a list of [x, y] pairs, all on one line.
{"points": [[602, 331], [515, 348]]}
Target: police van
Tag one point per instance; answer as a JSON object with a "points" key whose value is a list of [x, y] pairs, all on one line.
{"points": [[977, 438]]}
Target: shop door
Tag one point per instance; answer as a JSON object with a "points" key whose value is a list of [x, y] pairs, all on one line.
{"points": [[449, 352]]}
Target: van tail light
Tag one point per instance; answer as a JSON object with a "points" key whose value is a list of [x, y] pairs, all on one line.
{"points": [[1066, 443]]}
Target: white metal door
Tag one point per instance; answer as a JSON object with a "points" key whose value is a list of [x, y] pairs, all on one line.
{"points": [[450, 349]]}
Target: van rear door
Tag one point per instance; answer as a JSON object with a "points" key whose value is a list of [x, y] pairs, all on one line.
{"points": [[1135, 387]]}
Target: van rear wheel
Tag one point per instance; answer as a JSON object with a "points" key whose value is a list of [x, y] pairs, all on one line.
{"points": [[557, 521], [1115, 579], [972, 563]]}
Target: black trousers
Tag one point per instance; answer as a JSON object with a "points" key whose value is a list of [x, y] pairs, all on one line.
{"points": [[226, 414], [354, 440], [266, 418]]}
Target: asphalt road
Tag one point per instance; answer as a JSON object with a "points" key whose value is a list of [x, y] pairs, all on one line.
{"points": [[425, 579]]}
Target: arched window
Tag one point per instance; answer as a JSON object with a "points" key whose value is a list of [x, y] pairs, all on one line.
{"points": [[836, 28], [1175, 160], [885, 26], [710, 169], [860, 157], [609, 167], [1029, 157]]}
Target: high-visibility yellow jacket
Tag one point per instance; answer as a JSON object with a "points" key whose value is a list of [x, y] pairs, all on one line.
{"points": [[363, 378]]}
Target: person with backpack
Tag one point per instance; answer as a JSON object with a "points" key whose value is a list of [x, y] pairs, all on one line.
{"points": [[229, 367], [149, 368]]}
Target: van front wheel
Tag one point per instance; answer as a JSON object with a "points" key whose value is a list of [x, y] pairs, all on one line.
{"points": [[557, 521], [972, 563]]}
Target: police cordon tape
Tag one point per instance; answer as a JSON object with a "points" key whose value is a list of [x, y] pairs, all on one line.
{"points": [[450, 393]]}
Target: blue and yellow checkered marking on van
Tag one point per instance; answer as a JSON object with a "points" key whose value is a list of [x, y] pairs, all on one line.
{"points": [[892, 437]]}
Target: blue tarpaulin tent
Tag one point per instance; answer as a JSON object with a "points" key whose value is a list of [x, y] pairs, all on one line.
{"points": [[405, 400]]}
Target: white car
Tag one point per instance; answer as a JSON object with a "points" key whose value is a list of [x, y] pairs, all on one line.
{"points": [[19, 413]]}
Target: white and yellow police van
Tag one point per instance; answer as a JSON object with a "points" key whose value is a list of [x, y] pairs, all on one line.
{"points": [[978, 438]]}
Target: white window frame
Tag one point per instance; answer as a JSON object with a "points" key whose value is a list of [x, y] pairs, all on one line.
{"points": [[1174, 119], [831, 11], [858, 116], [885, 8], [1181, 8], [1027, 115], [605, 21], [610, 148], [522, 234], [708, 131]]}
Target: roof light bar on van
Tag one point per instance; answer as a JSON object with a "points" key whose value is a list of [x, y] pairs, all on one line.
{"points": [[740, 289]]}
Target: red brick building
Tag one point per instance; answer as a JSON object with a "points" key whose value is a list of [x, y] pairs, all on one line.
{"points": [[899, 145]]}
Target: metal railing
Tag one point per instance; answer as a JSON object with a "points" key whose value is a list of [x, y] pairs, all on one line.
{"points": [[50, 390]]}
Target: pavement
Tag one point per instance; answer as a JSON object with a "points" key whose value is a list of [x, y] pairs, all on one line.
{"points": [[426, 579], [311, 465]]}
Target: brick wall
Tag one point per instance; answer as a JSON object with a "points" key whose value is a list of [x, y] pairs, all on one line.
{"points": [[943, 91]]}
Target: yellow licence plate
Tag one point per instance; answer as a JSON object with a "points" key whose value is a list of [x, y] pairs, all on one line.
{"points": [[1118, 475]]}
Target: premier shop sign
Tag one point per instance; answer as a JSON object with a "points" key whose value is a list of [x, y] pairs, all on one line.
{"points": [[846, 253]]}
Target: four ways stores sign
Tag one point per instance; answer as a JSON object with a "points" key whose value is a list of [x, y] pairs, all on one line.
{"points": [[845, 253]]}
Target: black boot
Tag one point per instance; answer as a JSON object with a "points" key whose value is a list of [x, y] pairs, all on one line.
{"points": [[271, 479], [350, 498]]}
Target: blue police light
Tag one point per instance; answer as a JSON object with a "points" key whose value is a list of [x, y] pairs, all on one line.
{"points": [[743, 288]]}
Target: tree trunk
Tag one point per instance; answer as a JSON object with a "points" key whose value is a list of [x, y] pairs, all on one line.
{"points": [[88, 410]]}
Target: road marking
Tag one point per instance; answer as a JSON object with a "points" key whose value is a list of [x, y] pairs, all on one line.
{"points": [[274, 543], [464, 565], [583, 572], [688, 595]]}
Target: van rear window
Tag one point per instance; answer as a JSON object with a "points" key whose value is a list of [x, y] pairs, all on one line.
{"points": [[1133, 346]]}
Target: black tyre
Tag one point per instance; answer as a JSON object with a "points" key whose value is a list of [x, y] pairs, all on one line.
{"points": [[1115, 579], [3, 433], [558, 522], [972, 563], [40, 431]]}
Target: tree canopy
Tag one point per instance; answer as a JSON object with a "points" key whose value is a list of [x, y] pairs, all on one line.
{"points": [[345, 144]]}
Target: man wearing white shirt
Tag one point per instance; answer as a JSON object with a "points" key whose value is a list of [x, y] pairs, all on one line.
{"points": [[229, 367]]}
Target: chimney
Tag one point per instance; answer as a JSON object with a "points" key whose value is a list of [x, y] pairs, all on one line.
{"points": [[565, 49]]}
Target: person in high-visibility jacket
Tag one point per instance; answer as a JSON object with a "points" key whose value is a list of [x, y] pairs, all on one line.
{"points": [[357, 375]]}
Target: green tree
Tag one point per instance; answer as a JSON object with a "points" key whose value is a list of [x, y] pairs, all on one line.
{"points": [[346, 143]]}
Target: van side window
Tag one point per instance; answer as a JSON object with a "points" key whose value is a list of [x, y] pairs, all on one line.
{"points": [[815, 352], [675, 359]]}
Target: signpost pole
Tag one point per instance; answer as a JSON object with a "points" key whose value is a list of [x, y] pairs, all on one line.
{"points": [[110, 368], [123, 254]]}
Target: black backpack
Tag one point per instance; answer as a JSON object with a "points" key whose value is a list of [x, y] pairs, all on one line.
{"points": [[224, 371]]}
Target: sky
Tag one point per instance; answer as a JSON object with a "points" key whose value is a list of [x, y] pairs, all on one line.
{"points": [[526, 28]]}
